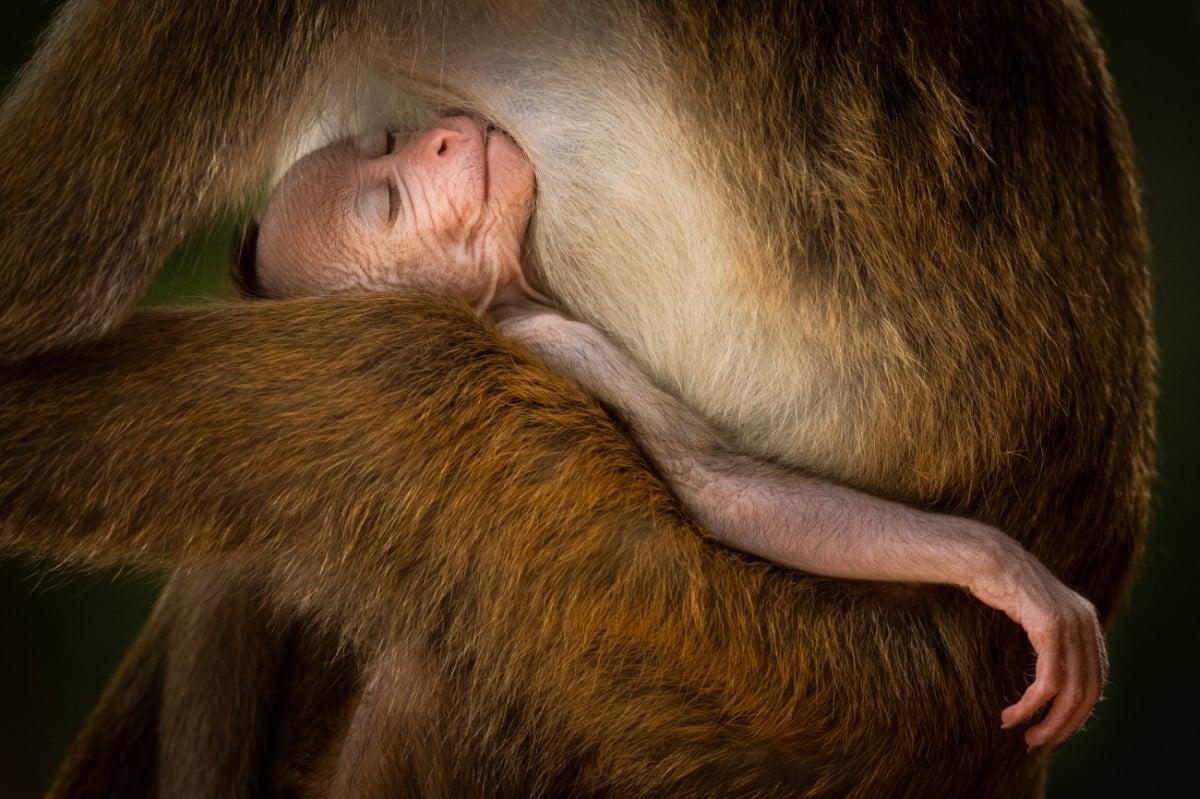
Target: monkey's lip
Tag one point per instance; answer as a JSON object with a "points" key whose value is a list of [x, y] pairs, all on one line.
{"points": [[487, 157], [493, 139], [500, 154]]}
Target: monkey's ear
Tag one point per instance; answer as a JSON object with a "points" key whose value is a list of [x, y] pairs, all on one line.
{"points": [[243, 257]]}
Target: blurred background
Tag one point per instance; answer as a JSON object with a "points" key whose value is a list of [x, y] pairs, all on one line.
{"points": [[61, 634]]}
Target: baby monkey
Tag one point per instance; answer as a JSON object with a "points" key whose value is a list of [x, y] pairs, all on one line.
{"points": [[446, 210]]}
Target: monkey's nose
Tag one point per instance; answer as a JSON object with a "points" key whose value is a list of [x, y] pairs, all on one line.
{"points": [[446, 137]]}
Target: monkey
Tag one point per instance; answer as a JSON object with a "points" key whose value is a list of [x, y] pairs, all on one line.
{"points": [[376, 212], [956, 256]]}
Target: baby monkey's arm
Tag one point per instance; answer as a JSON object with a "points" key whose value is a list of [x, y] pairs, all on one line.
{"points": [[822, 528]]}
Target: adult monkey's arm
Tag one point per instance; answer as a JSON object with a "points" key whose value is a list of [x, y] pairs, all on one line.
{"points": [[321, 437], [129, 128]]}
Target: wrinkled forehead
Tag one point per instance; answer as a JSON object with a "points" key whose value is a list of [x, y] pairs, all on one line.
{"points": [[308, 218], [317, 185]]}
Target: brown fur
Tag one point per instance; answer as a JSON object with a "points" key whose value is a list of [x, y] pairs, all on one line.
{"points": [[929, 262]]}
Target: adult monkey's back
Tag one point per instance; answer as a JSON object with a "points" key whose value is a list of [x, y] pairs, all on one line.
{"points": [[903, 250]]}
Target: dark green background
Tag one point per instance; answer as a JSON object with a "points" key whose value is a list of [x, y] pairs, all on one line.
{"points": [[61, 634]]}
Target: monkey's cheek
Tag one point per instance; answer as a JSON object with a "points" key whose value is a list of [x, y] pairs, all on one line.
{"points": [[297, 282]]}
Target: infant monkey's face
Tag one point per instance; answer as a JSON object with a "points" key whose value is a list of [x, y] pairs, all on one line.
{"points": [[445, 210]]}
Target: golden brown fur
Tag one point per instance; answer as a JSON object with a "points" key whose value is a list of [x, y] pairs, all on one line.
{"points": [[902, 249]]}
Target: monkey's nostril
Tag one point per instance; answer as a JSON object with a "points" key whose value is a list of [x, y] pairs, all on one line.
{"points": [[442, 148]]}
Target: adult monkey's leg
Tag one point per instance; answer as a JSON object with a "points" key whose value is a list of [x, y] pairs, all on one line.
{"points": [[215, 698], [226, 658]]}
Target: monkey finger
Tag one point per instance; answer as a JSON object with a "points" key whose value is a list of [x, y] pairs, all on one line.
{"points": [[1095, 662], [1069, 696], [1047, 641], [1035, 696]]}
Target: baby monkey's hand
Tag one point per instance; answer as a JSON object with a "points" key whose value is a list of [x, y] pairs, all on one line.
{"points": [[1072, 663]]}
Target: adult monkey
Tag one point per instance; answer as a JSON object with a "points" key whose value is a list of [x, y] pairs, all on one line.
{"points": [[948, 228]]}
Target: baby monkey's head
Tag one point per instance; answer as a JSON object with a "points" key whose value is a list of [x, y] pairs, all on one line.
{"points": [[444, 209]]}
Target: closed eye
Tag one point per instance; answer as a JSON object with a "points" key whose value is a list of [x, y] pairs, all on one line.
{"points": [[393, 201]]}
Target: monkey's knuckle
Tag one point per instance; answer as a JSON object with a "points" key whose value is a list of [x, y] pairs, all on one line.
{"points": [[1073, 696]]}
